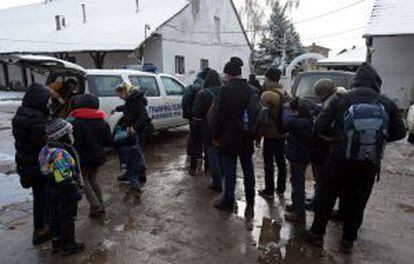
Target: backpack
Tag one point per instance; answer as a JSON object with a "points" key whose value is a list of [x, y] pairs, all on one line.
{"points": [[189, 97], [256, 115], [365, 131]]}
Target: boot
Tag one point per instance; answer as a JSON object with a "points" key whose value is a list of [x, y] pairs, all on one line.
{"points": [[40, 236], [72, 248], [55, 245], [199, 167]]}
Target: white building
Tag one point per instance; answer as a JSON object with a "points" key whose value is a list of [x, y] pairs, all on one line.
{"points": [[390, 39], [348, 59], [179, 37]]}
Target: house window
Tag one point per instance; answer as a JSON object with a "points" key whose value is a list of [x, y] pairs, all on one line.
{"points": [[203, 64], [179, 65], [217, 26]]}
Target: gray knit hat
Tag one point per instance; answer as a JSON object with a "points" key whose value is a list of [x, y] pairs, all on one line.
{"points": [[57, 128]]}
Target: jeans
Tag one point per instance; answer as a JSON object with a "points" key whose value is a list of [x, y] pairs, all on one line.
{"points": [[317, 170], [351, 180], [40, 205], [274, 149], [63, 212], [229, 172], [92, 190], [135, 166], [298, 186], [195, 144], [214, 158]]}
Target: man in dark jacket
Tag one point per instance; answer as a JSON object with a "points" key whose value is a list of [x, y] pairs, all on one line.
{"points": [[356, 178], [135, 120], [253, 81], [204, 101], [29, 133], [229, 135], [92, 133], [195, 140]]}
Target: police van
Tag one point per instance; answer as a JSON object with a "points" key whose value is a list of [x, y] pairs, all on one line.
{"points": [[163, 91]]}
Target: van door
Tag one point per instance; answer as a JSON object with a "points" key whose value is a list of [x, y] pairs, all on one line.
{"points": [[174, 91], [156, 100], [104, 87]]}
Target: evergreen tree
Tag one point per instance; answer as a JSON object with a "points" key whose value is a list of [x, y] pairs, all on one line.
{"points": [[279, 38]]}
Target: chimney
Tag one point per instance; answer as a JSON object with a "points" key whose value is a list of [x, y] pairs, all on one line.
{"points": [[58, 26], [84, 13], [137, 6]]}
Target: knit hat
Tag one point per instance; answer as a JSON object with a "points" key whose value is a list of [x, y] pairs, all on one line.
{"points": [[58, 128], [234, 66], [273, 74], [324, 88]]}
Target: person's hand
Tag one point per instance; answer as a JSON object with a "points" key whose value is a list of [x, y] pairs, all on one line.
{"points": [[131, 131]]}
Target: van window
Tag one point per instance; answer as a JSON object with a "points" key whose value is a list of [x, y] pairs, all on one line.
{"points": [[147, 84], [307, 82], [172, 87], [103, 85]]}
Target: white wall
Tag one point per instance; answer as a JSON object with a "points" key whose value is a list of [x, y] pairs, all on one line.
{"points": [[394, 60], [193, 36]]}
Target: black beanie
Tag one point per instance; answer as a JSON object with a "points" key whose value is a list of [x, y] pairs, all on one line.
{"points": [[234, 66], [273, 74]]}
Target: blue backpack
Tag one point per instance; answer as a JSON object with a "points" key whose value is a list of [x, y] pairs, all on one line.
{"points": [[365, 131]]}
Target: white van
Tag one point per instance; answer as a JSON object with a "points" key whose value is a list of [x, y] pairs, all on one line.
{"points": [[163, 91]]}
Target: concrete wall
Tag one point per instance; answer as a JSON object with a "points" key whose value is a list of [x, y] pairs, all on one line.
{"points": [[393, 59], [193, 35]]}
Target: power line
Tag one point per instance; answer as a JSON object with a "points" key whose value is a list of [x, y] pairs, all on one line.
{"points": [[335, 34], [328, 13]]}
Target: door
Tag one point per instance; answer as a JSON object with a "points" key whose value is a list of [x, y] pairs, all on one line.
{"points": [[174, 91], [156, 100]]}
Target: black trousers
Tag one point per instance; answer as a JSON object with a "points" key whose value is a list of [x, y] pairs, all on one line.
{"points": [[63, 212], [196, 147], [40, 205], [274, 149], [351, 180]]}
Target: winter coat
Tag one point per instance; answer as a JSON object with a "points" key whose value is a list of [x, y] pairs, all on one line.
{"points": [[232, 102], [59, 164], [256, 83], [272, 97], [28, 127], [189, 97], [299, 140], [135, 112], [202, 104], [366, 88], [90, 130]]}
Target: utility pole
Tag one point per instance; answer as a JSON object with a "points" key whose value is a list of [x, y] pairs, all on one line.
{"points": [[146, 28]]}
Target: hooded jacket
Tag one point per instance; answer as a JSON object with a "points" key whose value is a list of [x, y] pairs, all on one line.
{"points": [[272, 97], [365, 89], [28, 128], [90, 130]]}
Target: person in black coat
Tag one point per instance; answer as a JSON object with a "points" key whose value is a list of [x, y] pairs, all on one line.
{"points": [[253, 81], [202, 105], [28, 127], [230, 136], [92, 133], [136, 122], [353, 177]]}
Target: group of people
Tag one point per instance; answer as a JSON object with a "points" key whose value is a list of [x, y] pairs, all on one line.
{"points": [[341, 135], [60, 139]]}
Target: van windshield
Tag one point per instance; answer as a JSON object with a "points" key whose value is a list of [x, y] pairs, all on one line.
{"points": [[307, 82], [103, 85]]}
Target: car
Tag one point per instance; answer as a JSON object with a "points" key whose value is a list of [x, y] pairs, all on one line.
{"points": [[163, 91], [303, 85], [410, 123]]}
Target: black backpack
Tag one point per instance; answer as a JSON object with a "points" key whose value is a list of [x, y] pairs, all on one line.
{"points": [[256, 115], [189, 97]]}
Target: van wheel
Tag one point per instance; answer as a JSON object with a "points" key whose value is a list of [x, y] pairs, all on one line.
{"points": [[411, 138]]}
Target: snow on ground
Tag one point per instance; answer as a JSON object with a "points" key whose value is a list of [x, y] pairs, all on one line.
{"points": [[4, 96], [11, 191]]}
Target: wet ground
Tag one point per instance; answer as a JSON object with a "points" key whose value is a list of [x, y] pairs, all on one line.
{"points": [[175, 222]]}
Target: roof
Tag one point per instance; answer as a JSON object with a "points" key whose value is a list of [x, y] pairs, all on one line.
{"points": [[391, 17], [352, 57], [112, 25]]}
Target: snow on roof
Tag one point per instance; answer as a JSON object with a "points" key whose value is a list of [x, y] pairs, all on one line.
{"points": [[110, 25], [391, 17], [351, 57]]}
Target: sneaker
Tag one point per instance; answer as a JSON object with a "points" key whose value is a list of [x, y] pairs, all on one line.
{"points": [[266, 194], [72, 249], [314, 238], [97, 212], [289, 208], [229, 208], [280, 193], [337, 216], [40, 236], [123, 178], [55, 246], [215, 188], [193, 172], [295, 217], [310, 206], [346, 245]]}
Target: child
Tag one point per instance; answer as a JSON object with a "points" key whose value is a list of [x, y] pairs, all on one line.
{"points": [[92, 133], [59, 163]]}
